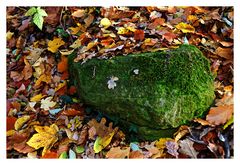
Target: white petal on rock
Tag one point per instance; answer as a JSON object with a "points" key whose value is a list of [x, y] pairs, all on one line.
{"points": [[111, 83], [136, 71]]}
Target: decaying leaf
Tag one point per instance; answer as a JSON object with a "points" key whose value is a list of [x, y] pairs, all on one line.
{"points": [[45, 137], [186, 147], [118, 153], [220, 115]]}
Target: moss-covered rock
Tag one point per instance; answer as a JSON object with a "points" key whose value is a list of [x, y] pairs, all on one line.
{"points": [[154, 91]]}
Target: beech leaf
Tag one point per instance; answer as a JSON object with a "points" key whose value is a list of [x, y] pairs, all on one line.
{"points": [[118, 153], [220, 115]]}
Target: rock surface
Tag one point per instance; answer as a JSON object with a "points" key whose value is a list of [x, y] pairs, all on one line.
{"points": [[155, 92]]}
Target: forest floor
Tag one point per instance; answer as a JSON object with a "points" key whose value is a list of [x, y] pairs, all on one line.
{"points": [[44, 116]]}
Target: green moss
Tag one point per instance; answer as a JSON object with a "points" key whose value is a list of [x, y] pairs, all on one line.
{"points": [[171, 88]]}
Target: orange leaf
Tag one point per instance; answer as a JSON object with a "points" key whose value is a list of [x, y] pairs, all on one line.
{"points": [[169, 36], [220, 115], [43, 78], [118, 153], [63, 64], [79, 13], [139, 35], [50, 155], [71, 112], [16, 76], [136, 155]]}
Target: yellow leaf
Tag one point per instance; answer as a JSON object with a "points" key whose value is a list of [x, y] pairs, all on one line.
{"points": [[122, 30], [185, 28], [9, 35], [101, 143], [20, 122], [37, 97], [66, 52], [10, 132], [45, 137], [43, 78], [161, 143], [76, 44], [75, 30], [55, 44], [60, 85], [105, 22]]}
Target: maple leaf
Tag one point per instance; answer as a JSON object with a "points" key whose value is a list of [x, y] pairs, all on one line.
{"points": [[185, 28], [46, 104], [118, 153], [186, 147], [220, 115], [45, 137], [55, 44]]}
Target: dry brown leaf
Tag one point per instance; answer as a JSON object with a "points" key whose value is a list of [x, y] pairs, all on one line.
{"points": [[226, 53], [203, 122], [226, 44], [78, 13], [136, 155], [16, 76], [88, 21], [118, 153], [220, 115], [27, 70]]}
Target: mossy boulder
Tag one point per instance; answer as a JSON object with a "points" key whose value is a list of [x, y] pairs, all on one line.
{"points": [[156, 92]]}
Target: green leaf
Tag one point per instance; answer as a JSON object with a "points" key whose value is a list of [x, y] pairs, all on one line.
{"points": [[63, 155], [79, 149], [229, 122], [38, 20], [41, 12], [31, 11]]}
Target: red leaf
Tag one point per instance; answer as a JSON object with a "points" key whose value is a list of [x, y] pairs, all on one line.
{"points": [[72, 90], [220, 115], [71, 112], [10, 122], [139, 35]]}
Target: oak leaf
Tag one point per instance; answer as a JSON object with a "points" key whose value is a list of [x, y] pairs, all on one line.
{"points": [[185, 28], [46, 104], [55, 44], [118, 153], [46, 137], [220, 115]]}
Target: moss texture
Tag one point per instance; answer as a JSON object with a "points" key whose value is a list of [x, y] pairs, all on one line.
{"points": [[171, 88]]}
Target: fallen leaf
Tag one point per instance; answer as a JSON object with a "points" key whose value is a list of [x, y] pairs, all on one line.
{"points": [[226, 44], [139, 35], [105, 22], [88, 21], [72, 154], [71, 112], [45, 137], [172, 148], [225, 100], [66, 52], [46, 104], [185, 28], [169, 36], [161, 143], [101, 143], [10, 122], [220, 115], [203, 122], [43, 78], [20, 122], [118, 153], [63, 64], [226, 53], [78, 13], [37, 97], [136, 155], [50, 155], [55, 44], [9, 35], [77, 43], [186, 147], [182, 131], [16, 76]]}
